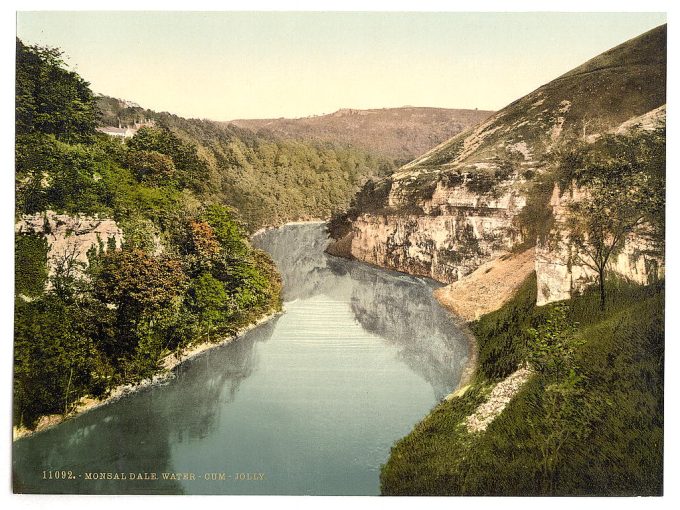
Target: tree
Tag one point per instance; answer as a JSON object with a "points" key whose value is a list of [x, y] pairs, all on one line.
{"points": [[563, 414], [145, 291], [204, 243], [51, 99], [552, 348], [190, 168], [30, 264], [151, 166], [227, 230], [54, 364], [621, 190], [210, 301]]}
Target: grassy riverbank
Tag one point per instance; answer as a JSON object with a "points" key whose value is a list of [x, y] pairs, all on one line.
{"points": [[594, 428]]}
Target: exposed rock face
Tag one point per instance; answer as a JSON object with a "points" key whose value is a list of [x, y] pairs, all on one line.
{"points": [[451, 210], [444, 247], [560, 268], [70, 237], [498, 400], [452, 233]]}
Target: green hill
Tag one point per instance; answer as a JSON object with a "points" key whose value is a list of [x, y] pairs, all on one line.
{"points": [[624, 82]]}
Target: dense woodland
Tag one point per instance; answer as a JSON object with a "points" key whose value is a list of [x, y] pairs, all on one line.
{"points": [[269, 179], [186, 271]]}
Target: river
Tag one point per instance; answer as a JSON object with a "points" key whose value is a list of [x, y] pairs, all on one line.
{"points": [[307, 403]]}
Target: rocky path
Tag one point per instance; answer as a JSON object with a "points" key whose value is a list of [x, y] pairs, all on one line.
{"points": [[499, 398], [488, 287]]}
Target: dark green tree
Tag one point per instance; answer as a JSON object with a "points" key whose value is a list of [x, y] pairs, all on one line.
{"points": [[50, 99]]}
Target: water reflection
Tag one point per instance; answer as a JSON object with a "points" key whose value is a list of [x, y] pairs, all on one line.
{"points": [[396, 307], [133, 434], [314, 398]]}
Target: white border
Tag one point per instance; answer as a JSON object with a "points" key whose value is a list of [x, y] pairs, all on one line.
{"points": [[7, 31]]}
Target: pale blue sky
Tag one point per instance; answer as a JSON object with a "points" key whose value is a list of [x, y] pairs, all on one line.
{"points": [[231, 65]]}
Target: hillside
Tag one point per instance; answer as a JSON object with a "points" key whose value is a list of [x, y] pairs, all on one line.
{"points": [[624, 82], [587, 422], [269, 179], [397, 133], [278, 170], [458, 205]]}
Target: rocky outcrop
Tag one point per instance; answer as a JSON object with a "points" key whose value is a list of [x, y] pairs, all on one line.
{"points": [[561, 270], [453, 233], [500, 397], [70, 237]]}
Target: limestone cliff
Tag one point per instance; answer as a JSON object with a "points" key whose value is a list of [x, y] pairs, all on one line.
{"points": [[455, 208], [561, 270], [456, 232], [70, 237]]}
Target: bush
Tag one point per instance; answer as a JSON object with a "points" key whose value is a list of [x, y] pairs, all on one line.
{"points": [[30, 264]]}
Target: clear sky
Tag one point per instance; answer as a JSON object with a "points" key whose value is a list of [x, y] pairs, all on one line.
{"points": [[230, 65]]}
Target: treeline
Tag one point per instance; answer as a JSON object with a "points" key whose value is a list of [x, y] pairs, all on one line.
{"points": [[269, 179], [186, 271]]}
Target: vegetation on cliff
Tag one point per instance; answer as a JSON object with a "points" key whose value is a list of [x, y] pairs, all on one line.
{"points": [[186, 271], [588, 422]]}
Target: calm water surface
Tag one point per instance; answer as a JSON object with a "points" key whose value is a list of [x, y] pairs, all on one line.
{"points": [[312, 400]]}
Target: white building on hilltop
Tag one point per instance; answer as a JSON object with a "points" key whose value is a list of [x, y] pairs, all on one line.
{"points": [[127, 131]]}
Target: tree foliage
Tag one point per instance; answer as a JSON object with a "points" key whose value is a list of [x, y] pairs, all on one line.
{"points": [[622, 183], [30, 264], [51, 99], [186, 271], [150, 166]]}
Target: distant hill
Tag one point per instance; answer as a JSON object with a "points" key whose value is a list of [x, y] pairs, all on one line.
{"points": [[398, 133]]}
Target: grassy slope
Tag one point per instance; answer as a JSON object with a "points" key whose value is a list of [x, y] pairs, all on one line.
{"points": [[621, 83], [617, 449]]}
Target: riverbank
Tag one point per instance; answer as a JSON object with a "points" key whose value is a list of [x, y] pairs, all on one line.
{"points": [[491, 285], [168, 362], [594, 412]]}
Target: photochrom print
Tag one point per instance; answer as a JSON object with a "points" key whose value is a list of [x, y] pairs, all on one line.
{"points": [[339, 253]]}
